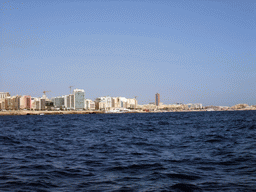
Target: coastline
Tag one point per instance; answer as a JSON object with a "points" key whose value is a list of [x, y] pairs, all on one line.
{"points": [[21, 112]]}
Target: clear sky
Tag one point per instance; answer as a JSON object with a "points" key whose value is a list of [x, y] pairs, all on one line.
{"points": [[189, 51]]}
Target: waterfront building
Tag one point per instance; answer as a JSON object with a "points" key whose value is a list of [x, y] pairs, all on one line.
{"points": [[25, 102], [78, 99], [72, 101], [37, 105], [109, 103], [2, 104], [195, 106], [157, 99], [4, 95], [33, 103], [89, 104], [240, 106], [12, 103], [58, 102], [8, 103], [122, 102], [103, 103], [66, 101], [174, 107], [49, 105], [115, 102], [16, 102], [132, 103], [69, 102], [119, 102], [42, 104]]}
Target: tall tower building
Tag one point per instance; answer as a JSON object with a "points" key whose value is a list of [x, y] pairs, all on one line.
{"points": [[157, 99], [78, 99]]}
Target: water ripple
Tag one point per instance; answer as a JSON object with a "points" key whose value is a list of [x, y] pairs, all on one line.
{"points": [[203, 151]]}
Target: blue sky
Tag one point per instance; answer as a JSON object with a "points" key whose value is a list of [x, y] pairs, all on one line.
{"points": [[188, 51]]}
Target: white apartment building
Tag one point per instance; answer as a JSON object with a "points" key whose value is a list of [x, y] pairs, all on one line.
{"points": [[108, 103], [89, 104], [75, 100], [132, 103], [103, 103], [78, 98], [195, 106]]}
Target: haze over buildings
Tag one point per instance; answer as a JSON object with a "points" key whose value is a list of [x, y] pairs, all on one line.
{"points": [[189, 51]]}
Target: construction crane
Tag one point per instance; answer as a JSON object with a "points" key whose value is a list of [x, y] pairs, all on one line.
{"points": [[70, 88], [45, 94]]}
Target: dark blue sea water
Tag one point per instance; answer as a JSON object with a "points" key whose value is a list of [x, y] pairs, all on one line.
{"points": [[195, 151]]}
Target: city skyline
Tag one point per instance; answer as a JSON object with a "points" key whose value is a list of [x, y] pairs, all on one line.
{"points": [[188, 51]]}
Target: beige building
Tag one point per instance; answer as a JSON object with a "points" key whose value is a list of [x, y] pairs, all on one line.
{"points": [[240, 106], [4, 95], [89, 104], [25, 102], [119, 102], [132, 103], [8, 103], [147, 107], [16, 102], [11, 103], [109, 103], [42, 104], [103, 103], [2, 104], [35, 103]]}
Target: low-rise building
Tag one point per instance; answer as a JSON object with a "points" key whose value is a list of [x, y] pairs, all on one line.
{"points": [[194, 106], [89, 104], [4, 95], [132, 103], [103, 103], [110, 103]]}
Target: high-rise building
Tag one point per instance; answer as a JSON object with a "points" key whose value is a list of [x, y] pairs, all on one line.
{"points": [[157, 99], [25, 102], [69, 101], [78, 99]]}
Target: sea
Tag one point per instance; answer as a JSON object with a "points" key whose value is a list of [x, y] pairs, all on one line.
{"points": [[173, 151]]}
